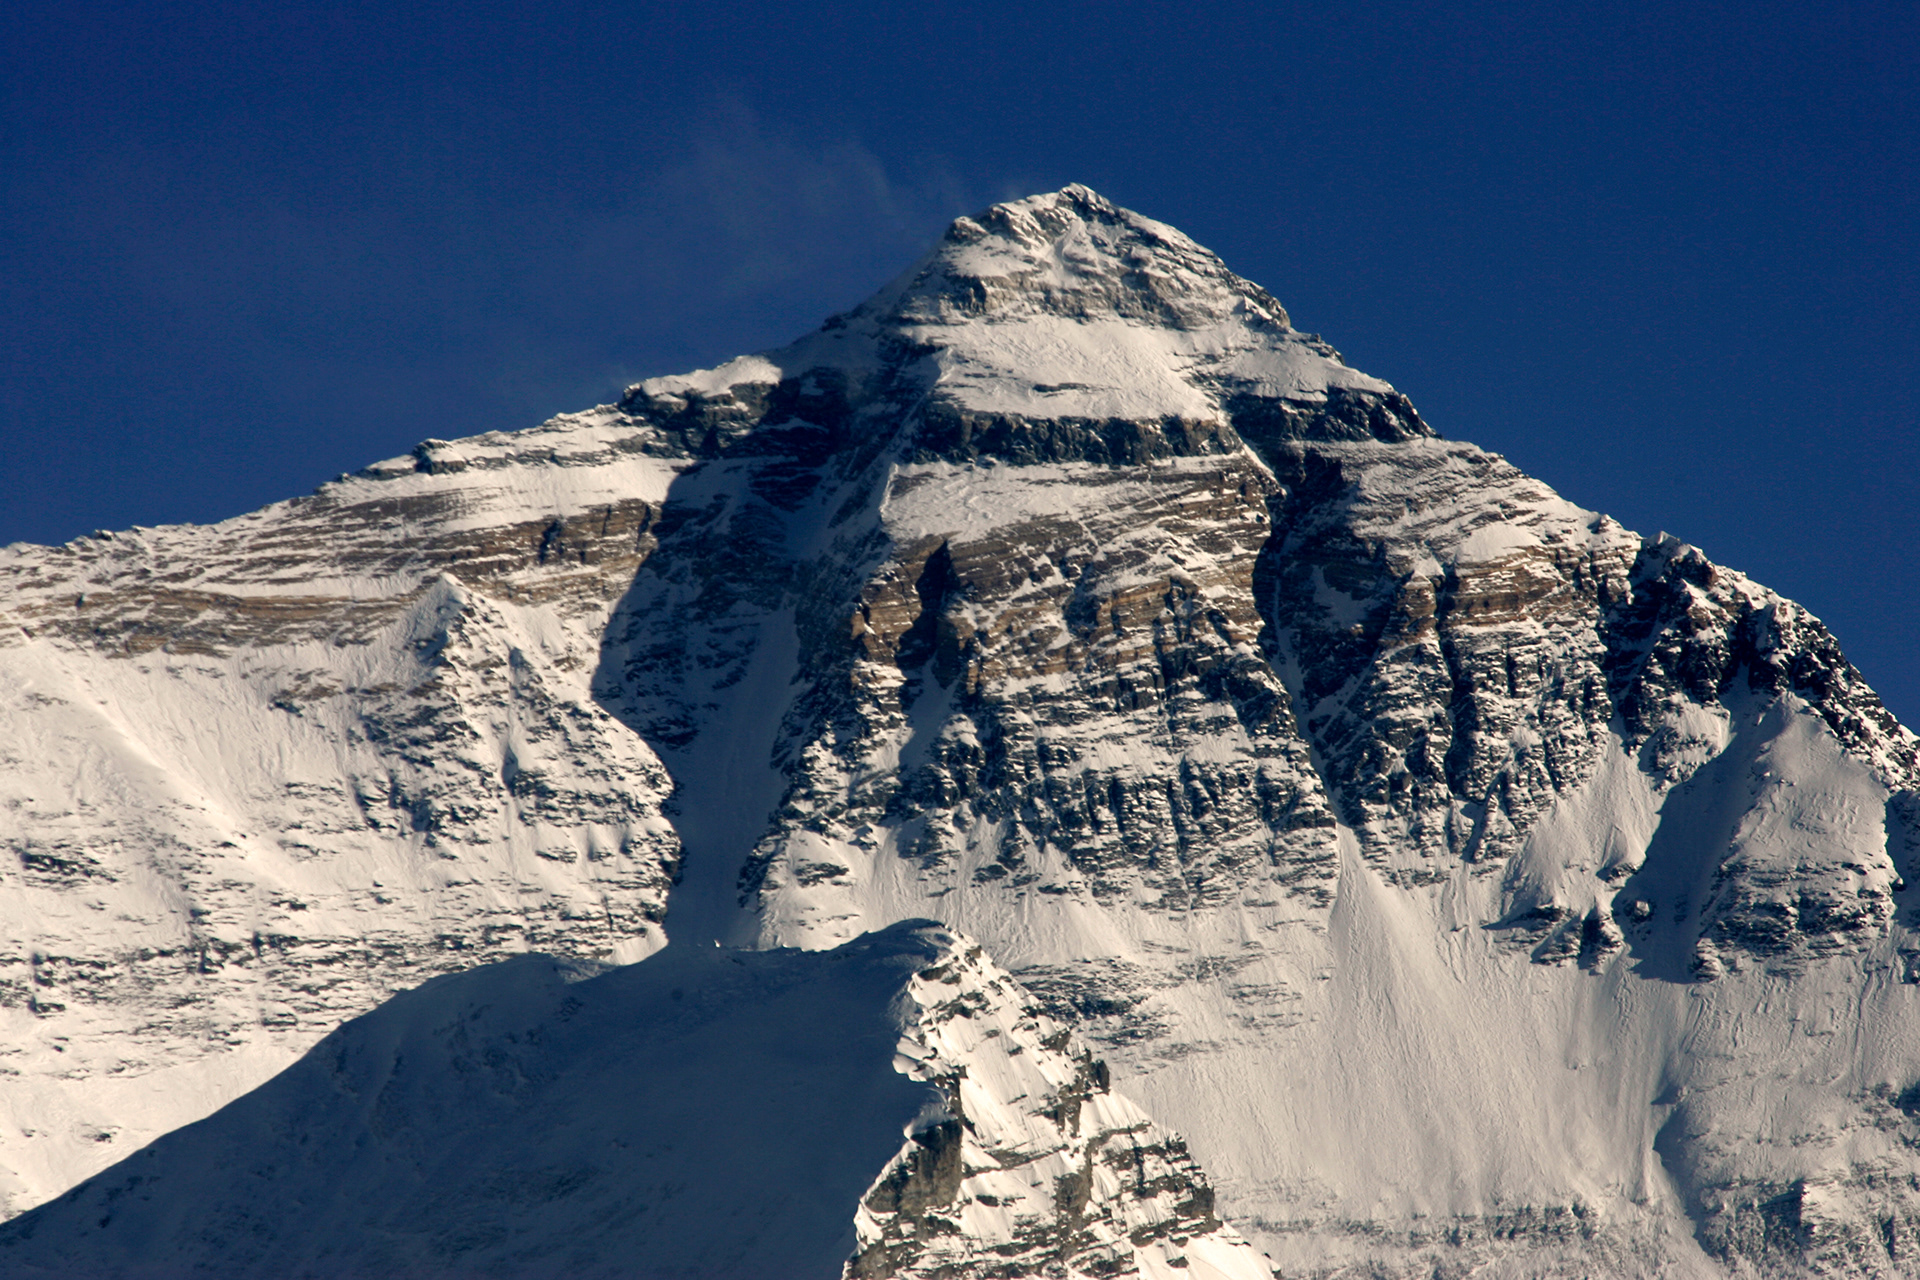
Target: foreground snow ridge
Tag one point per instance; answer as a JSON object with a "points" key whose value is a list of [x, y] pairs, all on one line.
{"points": [[703, 1113]]}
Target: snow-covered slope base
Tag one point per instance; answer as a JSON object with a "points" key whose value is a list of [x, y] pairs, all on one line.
{"points": [[706, 1113], [1473, 882]]}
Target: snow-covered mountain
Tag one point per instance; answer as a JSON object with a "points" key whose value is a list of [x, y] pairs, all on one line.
{"points": [[1469, 880]]}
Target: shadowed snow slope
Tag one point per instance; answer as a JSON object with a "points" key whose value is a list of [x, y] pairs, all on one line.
{"points": [[706, 1115], [712, 1114]]}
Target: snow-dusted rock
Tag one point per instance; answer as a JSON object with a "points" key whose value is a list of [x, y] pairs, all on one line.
{"points": [[1031, 1164]]}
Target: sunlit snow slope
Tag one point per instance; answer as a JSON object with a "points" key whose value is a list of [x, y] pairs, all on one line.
{"points": [[1470, 880], [256, 776]]}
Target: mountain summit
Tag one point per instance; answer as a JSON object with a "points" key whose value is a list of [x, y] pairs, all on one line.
{"points": [[1064, 306], [1472, 882]]}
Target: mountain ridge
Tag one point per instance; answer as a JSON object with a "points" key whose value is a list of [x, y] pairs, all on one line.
{"points": [[716, 1114]]}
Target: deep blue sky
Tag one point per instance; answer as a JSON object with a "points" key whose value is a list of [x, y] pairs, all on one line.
{"points": [[1665, 257]]}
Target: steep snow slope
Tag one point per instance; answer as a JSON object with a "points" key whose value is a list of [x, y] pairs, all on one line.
{"points": [[707, 1113], [259, 775], [1474, 882]]}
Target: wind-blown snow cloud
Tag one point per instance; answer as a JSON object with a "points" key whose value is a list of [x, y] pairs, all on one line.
{"points": [[461, 298]]}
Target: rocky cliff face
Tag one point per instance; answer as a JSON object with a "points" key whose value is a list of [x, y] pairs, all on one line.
{"points": [[1469, 649], [1032, 1164], [1446, 861]]}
